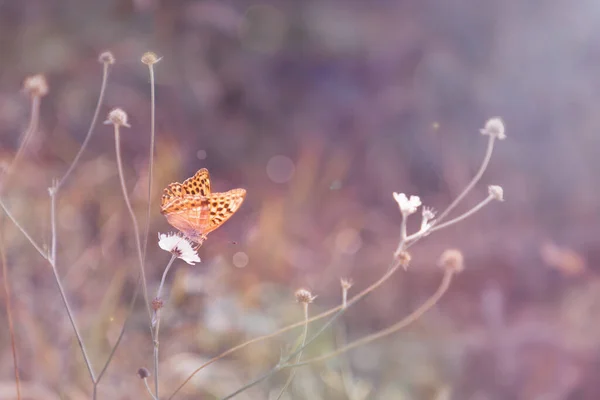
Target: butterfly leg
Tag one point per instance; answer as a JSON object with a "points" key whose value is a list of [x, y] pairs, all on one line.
{"points": [[199, 242]]}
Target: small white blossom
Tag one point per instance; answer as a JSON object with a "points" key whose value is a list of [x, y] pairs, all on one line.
{"points": [[496, 192], [428, 216], [407, 206], [494, 127], [178, 246]]}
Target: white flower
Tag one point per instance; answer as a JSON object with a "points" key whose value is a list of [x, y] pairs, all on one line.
{"points": [[494, 127], [407, 206], [179, 247]]}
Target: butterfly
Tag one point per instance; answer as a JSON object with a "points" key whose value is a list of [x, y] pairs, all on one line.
{"points": [[194, 210]]}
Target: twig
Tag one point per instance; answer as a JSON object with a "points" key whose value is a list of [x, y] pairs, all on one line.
{"points": [[20, 227], [463, 216], [393, 268], [114, 349], [478, 175], [415, 315], [299, 356], [133, 221], [157, 323], [31, 128], [88, 136]]}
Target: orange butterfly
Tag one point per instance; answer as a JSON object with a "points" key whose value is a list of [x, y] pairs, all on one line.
{"points": [[191, 207]]}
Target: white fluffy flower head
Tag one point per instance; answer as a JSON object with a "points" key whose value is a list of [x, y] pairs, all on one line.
{"points": [[179, 247], [407, 206]]}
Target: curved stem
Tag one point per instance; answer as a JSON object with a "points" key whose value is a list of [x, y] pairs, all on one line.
{"points": [[82, 347], [122, 332], [415, 315], [463, 216], [151, 158], [299, 356], [88, 136], [22, 229], [134, 223], [484, 164], [31, 129], [393, 268], [157, 326]]}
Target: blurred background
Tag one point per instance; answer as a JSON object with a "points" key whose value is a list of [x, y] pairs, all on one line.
{"points": [[320, 109]]}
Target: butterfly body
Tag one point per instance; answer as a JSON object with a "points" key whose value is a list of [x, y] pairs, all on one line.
{"points": [[194, 210]]}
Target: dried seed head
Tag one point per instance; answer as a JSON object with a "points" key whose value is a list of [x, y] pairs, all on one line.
{"points": [[494, 127], [452, 260], [117, 117], [36, 85], [150, 58], [143, 373], [106, 58], [404, 258], [346, 283], [304, 296], [157, 304], [496, 192]]}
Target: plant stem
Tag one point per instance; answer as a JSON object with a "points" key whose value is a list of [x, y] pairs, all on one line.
{"points": [[31, 128], [88, 136], [478, 175], [151, 158], [134, 223], [415, 315], [299, 356], [390, 271], [157, 324]]}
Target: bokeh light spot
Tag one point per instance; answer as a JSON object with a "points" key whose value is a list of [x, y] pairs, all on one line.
{"points": [[240, 259], [201, 154], [280, 169]]}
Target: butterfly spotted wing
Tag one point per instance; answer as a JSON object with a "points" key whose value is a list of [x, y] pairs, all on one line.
{"points": [[199, 184], [191, 207], [222, 206]]}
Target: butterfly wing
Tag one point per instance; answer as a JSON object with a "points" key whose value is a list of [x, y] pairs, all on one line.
{"points": [[223, 206], [199, 184], [170, 197], [189, 215]]}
